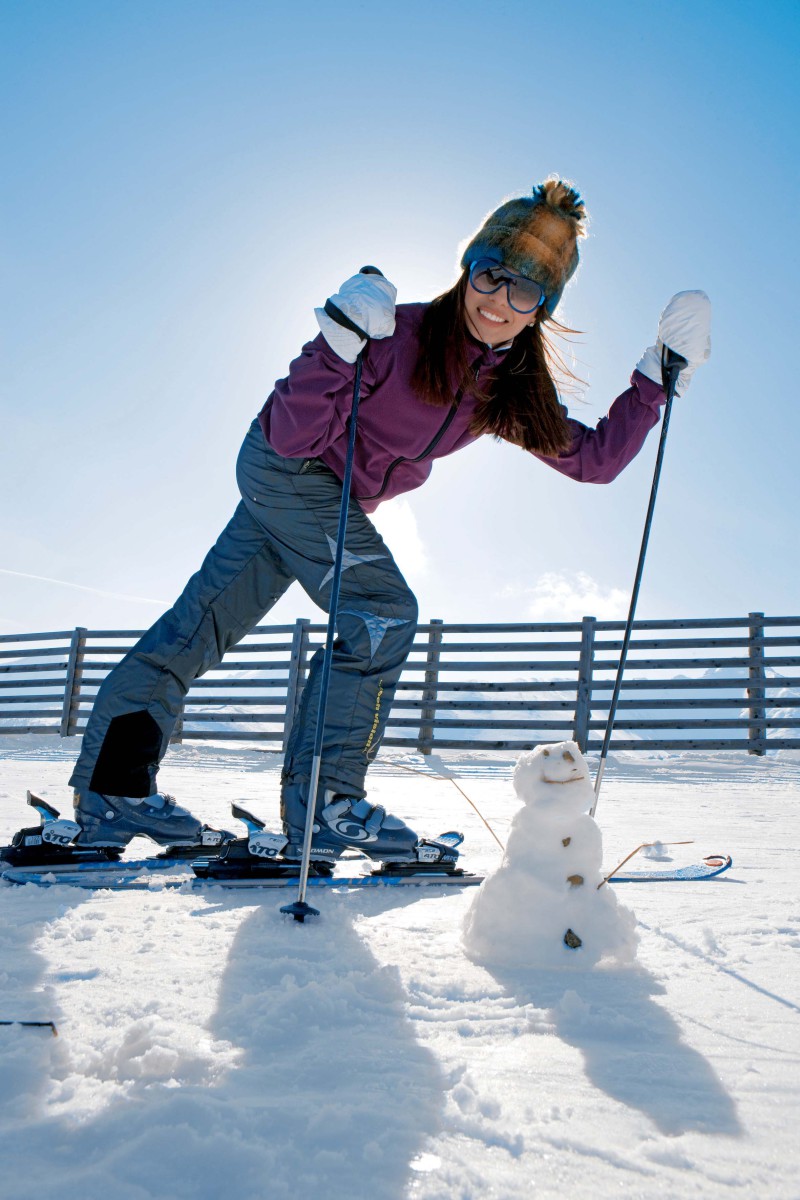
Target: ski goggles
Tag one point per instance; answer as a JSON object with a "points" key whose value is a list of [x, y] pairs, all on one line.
{"points": [[488, 276]]}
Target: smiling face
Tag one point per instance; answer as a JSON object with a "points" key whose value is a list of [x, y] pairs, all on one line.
{"points": [[491, 319], [554, 777]]}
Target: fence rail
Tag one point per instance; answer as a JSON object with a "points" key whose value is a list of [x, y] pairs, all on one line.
{"points": [[731, 683]]}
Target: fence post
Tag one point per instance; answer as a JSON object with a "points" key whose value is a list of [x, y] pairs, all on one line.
{"points": [[72, 683], [429, 687], [583, 696], [297, 671], [757, 730]]}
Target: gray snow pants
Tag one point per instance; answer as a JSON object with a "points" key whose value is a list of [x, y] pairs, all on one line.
{"points": [[284, 529]]}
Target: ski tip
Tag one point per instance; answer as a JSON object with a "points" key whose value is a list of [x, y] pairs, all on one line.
{"points": [[722, 861]]}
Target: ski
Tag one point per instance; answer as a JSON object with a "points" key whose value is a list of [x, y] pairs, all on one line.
{"points": [[709, 868], [56, 872], [147, 875]]}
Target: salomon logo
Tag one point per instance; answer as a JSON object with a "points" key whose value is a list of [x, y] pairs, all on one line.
{"points": [[351, 832]]}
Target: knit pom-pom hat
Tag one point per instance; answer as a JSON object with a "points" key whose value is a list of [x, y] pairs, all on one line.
{"points": [[536, 236]]}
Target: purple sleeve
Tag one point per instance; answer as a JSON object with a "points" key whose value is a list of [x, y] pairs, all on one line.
{"points": [[598, 455], [308, 410]]}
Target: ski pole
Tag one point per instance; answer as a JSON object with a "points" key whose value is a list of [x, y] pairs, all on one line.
{"points": [[299, 909], [671, 366]]}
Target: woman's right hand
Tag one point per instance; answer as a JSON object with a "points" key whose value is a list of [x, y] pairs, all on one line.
{"points": [[369, 302]]}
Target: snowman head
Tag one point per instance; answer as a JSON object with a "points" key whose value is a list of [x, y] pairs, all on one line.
{"points": [[554, 775]]}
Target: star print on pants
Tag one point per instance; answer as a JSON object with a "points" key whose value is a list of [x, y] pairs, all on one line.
{"points": [[348, 559], [376, 626]]}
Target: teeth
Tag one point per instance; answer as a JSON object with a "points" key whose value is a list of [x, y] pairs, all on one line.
{"points": [[487, 316]]}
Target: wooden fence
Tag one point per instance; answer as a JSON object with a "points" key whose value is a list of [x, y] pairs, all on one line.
{"points": [[726, 684]]}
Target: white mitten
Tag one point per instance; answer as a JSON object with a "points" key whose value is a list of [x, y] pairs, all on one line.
{"points": [[368, 300], [684, 326]]}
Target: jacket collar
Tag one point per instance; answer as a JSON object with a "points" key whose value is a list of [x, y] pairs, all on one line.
{"points": [[488, 356]]}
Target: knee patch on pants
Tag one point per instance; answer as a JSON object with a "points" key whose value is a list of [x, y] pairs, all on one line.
{"points": [[128, 757]]}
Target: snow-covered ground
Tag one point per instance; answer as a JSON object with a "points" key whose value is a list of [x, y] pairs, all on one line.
{"points": [[209, 1047]]}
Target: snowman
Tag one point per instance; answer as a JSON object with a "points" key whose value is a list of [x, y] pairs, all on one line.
{"points": [[545, 906]]}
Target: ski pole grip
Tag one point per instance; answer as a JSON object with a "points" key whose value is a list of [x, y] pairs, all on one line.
{"points": [[672, 364]]}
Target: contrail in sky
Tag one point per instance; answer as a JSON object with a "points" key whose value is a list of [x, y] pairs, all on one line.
{"points": [[82, 587]]}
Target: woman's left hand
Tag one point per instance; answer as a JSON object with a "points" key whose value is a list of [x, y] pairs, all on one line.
{"points": [[685, 327]]}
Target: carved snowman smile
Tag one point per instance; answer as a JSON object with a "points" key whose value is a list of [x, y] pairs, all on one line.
{"points": [[575, 779]]}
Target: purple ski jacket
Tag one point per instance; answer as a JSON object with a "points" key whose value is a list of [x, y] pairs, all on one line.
{"points": [[400, 435]]}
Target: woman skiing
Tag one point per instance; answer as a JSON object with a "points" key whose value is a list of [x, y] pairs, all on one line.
{"points": [[435, 377]]}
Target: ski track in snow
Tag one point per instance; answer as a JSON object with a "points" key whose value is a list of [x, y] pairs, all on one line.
{"points": [[209, 1046]]}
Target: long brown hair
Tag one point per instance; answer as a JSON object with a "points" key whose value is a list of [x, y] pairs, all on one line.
{"points": [[520, 403]]}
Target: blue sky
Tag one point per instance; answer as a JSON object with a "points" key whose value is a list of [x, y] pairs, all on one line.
{"points": [[184, 182]]}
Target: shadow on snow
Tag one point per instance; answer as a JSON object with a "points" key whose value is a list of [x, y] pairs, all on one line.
{"points": [[632, 1048], [331, 1093]]}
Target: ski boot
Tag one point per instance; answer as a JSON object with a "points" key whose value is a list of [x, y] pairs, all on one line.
{"points": [[31, 848], [345, 822], [104, 825]]}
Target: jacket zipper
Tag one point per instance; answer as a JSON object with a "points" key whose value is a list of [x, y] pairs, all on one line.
{"points": [[428, 449]]}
